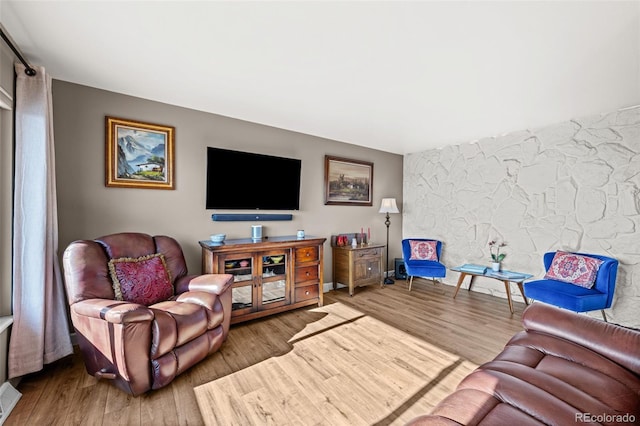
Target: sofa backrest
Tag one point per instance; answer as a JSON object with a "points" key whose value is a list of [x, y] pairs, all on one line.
{"points": [[612, 341]]}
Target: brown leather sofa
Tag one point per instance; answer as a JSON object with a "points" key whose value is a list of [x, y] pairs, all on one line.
{"points": [[564, 369], [165, 320]]}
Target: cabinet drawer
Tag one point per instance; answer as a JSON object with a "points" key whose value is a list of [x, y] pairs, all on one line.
{"points": [[374, 252], [306, 273], [306, 254], [306, 292]]}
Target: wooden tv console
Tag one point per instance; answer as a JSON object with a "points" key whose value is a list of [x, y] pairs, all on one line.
{"points": [[272, 275]]}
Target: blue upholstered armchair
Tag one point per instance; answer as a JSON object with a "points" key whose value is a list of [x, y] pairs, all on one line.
{"points": [[422, 258], [574, 297]]}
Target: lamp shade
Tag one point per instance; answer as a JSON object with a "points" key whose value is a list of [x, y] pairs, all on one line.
{"points": [[389, 206]]}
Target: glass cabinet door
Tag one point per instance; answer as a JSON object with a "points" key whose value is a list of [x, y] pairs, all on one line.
{"points": [[241, 267], [274, 278]]}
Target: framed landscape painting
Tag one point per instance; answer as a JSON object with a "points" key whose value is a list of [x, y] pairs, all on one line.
{"points": [[348, 182], [139, 155]]}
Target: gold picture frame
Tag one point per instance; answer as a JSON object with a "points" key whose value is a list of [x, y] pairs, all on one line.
{"points": [[139, 155], [348, 182]]}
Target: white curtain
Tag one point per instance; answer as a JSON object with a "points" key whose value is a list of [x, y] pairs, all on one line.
{"points": [[40, 333]]}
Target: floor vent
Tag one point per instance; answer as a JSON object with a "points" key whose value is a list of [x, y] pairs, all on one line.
{"points": [[9, 396]]}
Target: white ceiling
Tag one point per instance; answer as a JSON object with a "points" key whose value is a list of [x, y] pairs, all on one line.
{"points": [[396, 76]]}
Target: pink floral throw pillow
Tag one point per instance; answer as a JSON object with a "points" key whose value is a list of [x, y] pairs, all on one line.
{"points": [[144, 280], [574, 269], [423, 250]]}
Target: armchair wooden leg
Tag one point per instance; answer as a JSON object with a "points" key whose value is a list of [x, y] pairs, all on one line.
{"points": [[410, 282], [604, 316]]}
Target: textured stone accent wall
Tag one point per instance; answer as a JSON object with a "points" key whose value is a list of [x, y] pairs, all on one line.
{"points": [[572, 186]]}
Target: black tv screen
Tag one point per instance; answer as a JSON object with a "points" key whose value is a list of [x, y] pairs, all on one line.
{"points": [[245, 180]]}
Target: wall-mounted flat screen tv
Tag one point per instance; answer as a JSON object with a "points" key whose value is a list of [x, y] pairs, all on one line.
{"points": [[245, 180]]}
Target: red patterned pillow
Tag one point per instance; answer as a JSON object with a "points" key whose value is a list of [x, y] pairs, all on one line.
{"points": [[423, 250], [574, 269], [144, 280]]}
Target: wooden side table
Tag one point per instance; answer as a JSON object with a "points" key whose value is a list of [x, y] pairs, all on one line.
{"points": [[357, 267]]}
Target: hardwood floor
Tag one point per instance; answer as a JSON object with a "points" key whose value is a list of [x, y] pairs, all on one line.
{"points": [[472, 328]]}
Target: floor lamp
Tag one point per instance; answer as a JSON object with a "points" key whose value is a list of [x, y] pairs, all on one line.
{"points": [[388, 206]]}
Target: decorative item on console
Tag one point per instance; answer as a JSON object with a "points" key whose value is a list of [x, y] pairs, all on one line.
{"points": [[256, 232], [365, 238], [218, 238], [342, 240]]}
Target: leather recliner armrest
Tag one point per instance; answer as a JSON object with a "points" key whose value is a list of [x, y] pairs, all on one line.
{"points": [[210, 283], [202, 298], [113, 311]]}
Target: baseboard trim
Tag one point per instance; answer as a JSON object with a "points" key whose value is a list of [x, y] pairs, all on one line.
{"points": [[327, 287]]}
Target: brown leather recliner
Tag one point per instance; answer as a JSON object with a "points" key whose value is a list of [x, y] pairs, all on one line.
{"points": [[139, 318]]}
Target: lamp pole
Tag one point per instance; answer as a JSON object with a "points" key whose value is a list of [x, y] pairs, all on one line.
{"points": [[387, 280], [388, 206]]}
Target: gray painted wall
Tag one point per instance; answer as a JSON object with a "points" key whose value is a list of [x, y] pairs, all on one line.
{"points": [[571, 186], [87, 209]]}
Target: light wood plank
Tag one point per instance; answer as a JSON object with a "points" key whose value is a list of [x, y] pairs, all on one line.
{"points": [[383, 356], [89, 405], [158, 407]]}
